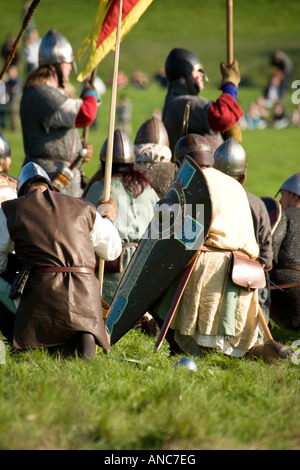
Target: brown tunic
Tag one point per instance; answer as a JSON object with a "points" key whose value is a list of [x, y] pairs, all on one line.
{"points": [[53, 229]]}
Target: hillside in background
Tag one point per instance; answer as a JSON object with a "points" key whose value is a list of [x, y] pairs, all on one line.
{"points": [[260, 27]]}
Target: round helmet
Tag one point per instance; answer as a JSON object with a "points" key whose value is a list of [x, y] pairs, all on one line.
{"points": [[196, 146], [55, 49], [4, 146], [185, 362], [29, 173], [292, 184], [230, 158], [123, 150], [152, 131], [180, 63]]}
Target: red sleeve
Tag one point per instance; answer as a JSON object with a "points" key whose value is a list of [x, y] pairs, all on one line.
{"points": [[224, 113], [87, 112]]}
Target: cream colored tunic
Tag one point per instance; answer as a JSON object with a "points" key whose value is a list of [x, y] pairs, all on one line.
{"points": [[214, 312]]}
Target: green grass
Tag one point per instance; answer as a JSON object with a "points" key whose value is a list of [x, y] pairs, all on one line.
{"points": [[112, 404]]}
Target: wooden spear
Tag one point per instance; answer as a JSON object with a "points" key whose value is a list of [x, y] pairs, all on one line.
{"points": [[229, 10], [267, 333], [264, 325], [110, 139]]}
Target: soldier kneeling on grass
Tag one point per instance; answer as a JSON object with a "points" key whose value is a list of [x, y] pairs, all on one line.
{"points": [[55, 237]]}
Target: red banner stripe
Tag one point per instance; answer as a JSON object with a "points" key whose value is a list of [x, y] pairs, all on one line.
{"points": [[111, 19]]}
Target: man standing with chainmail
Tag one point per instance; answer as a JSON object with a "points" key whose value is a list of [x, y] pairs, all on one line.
{"points": [[186, 75], [285, 293], [50, 117]]}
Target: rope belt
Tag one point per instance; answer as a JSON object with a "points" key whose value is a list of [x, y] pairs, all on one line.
{"points": [[63, 269]]}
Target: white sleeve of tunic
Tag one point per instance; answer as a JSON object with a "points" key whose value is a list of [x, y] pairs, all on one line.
{"points": [[105, 239], [65, 116], [6, 244]]}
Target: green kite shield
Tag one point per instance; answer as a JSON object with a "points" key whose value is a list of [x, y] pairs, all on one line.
{"points": [[274, 209], [176, 232]]}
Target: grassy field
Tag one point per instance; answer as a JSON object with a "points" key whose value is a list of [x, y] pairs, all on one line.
{"points": [[112, 403], [260, 27]]}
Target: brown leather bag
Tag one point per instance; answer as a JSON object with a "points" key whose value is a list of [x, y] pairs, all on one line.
{"points": [[246, 272]]}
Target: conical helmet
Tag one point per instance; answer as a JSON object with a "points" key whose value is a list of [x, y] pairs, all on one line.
{"points": [[292, 184], [4, 146], [123, 149], [152, 131], [230, 158], [196, 146], [180, 63], [29, 173], [55, 49]]}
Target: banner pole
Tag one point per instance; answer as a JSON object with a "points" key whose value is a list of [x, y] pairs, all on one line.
{"points": [[229, 10], [110, 140]]}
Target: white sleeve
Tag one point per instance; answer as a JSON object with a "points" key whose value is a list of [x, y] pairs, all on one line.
{"points": [[6, 244], [105, 239], [65, 116]]}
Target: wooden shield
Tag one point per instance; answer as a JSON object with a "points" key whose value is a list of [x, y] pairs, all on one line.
{"points": [[274, 209], [175, 234]]}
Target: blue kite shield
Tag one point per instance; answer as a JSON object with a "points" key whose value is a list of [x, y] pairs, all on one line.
{"points": [[175, 234], [274, 210]]}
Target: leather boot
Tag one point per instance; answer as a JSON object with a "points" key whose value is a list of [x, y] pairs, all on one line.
{"points": [[275, 351], [86, 346], [271, 351]]}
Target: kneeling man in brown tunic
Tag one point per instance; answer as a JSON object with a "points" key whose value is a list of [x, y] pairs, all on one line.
{"points": [[55, 237]]}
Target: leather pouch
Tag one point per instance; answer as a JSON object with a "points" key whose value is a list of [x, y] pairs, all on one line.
{"points": [[246, 272]]}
